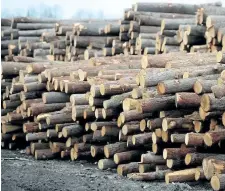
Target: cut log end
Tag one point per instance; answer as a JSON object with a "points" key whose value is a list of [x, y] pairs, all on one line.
{"points": [[106, 152], [215, 183], [161, 88], [219, 56], [205, 102], [102, 89], [164, 153], [169, 163], [197, 87], [116, 158], [143, 125], [187, 159], [208, 139]]}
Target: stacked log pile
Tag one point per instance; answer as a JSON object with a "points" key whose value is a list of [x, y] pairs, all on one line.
{"points": [[25, 31], [207, 35], [92, 39], [5, 26], [167, 108], [152, 28]]}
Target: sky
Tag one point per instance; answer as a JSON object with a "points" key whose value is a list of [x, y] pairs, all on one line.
{"points": [[110, 8]]}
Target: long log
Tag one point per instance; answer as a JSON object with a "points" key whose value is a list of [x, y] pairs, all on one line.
{"points": [[181, 176], [150, 176]]}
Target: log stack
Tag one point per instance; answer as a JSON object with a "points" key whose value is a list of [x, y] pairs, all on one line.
{"points": [[151, 117]]}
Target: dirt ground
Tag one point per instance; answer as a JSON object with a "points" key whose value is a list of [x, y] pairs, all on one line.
{"points": [[22, 173]]}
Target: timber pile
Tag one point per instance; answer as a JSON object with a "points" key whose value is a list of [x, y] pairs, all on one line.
{"points": [[87, 40], [152, 28], [160, 120], [207, 35], [25, 31], [5, 25]]}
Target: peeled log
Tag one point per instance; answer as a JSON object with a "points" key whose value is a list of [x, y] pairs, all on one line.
{"points": [[181, 176]]}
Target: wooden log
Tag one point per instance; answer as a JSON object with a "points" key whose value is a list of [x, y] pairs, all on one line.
{"points": [[196, 158], [36, 136], [81, 147], [174, 8], [213, 137], [181, 175], [72, 130], [204, 86], [124, 169], [52, 133], [55, 97], [150, 176], [44, 126], [77, 87], [97, 150], [106, 163], [131, 128], [8, 104], [213, 165], [151, 158], [44, 154], [217, 182], [111, 149], [127, 156], [141, 139], [132, 115], [12, 68], [113, 89], [194, 139], [218, 91], [34, 86], [177, 138], [156, 104], [180, 85], [115, 101], [187, 100], [210, 103], [30, 95], [176, 123], [160, 61], [146, 167], [98, 125], [173, 153], [207, 115], [30, 127], [175, 163], [36, 109], [59, 118], [73, 140], [111, 131], [78, 99]]}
